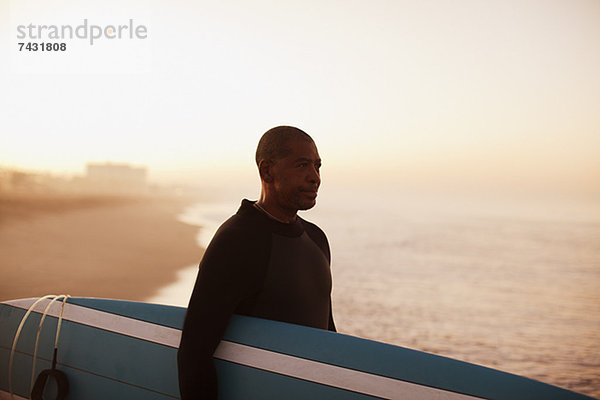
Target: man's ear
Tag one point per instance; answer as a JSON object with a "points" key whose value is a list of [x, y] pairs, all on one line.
{"points": [[265, 170]]}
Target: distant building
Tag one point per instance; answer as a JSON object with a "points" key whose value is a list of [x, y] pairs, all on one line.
{"points": [[19, 181], [5, 179], [117, 178], [99, 178]]}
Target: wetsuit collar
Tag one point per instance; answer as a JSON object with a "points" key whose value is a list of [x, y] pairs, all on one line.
{"points": [[295, 228]]}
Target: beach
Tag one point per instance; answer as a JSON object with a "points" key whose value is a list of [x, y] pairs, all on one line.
{"points": [[92, 245]]}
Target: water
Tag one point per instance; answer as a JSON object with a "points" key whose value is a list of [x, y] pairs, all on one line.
{"points": [[510, 286]]}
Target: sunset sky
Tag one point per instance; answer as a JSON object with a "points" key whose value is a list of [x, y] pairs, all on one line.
{"points": [[467, 92]]}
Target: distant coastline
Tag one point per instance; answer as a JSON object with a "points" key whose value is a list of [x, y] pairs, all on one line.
{"points": [[125, 247]]}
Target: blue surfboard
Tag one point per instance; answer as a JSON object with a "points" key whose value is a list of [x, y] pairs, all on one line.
{"points": [[111, 349]]}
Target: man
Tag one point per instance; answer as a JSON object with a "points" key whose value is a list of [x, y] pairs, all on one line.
{"points": [[265, 261]]}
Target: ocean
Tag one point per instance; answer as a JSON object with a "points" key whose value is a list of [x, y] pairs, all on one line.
{"points": [[509, 283]]}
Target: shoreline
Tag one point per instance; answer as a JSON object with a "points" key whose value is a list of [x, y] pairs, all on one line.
{"points": [[93, 246]]}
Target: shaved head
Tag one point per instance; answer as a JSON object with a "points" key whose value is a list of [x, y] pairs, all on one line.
{"points": [[274, 143]]}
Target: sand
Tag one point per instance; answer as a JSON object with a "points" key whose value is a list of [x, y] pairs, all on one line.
{"points": [[93, 246]]}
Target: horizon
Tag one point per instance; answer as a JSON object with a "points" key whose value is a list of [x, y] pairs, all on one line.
{"points": [[468, 96]]}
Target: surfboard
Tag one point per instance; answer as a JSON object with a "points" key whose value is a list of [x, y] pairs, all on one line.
{"points": [[112, 349]]}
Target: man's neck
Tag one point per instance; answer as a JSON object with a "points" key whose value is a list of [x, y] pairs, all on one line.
{"points": [[274, 212]]}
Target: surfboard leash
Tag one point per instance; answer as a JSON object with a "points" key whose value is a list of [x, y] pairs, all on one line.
{"points": [[37, 388]]}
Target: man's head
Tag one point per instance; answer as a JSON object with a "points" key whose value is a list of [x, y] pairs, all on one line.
{"points": [[275, 143], [288, 163]]}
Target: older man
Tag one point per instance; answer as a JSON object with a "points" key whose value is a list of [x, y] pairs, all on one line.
{"points": [[265, 261]]}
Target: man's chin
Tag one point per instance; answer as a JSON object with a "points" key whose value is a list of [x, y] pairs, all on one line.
{"points": [[307, 205]]}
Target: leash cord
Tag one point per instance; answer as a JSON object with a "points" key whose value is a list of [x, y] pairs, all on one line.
{"points": [[18, 333]]}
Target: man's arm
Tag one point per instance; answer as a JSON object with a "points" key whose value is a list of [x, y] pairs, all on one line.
{"points": [[319, 237], [227, 275], [197, 375]]}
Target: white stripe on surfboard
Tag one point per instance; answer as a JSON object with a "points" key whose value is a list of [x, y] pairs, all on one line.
{"points": [[331, 375], [104, 320], [314, 371]]}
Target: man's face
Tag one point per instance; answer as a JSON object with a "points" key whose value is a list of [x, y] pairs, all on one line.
{"points": [[296, 178]]}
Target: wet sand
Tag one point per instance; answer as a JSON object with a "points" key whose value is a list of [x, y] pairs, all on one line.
{"points": [[92, 246]]}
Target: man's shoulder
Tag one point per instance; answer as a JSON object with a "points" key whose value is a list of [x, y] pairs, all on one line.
{"points": [[316, 234], [311, 226], [237, 240], [244, 227], [239, 226]]}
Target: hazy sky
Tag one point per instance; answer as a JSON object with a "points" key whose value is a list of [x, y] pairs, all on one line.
{"points": [[439, 91]]}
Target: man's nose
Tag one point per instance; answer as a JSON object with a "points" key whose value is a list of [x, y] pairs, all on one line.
{"points": [[314, 175]]}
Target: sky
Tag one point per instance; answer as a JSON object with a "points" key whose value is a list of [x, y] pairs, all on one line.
{"points": [[460, 93]]}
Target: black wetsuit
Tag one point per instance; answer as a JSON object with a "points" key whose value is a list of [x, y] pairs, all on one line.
{"points": [[253, 266]]}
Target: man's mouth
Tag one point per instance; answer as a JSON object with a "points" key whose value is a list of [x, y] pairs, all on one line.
{"points": [[309, 192]]}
